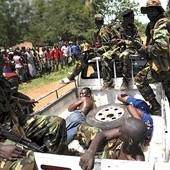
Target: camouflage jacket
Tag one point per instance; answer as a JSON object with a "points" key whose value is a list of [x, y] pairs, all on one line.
{"points": [[159, 46], [10, 109], [131, 36], [103, 35], [103, 38]]}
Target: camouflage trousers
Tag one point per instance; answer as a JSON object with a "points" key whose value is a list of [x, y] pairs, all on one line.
{"points": [[26, 163], [147, 76], [126, 63], [108, 150], [47, 131], [107, 67], [107, 63], [78, 68], [80, 65]]}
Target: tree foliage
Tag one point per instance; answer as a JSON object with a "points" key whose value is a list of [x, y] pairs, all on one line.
{"points": [[168, 9], [55, 20], [14, 16], [71, 19], [49, 21], [113, 8]]}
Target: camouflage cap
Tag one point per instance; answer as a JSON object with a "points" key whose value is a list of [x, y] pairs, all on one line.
{"points": [[151, 3], [98, 17]]}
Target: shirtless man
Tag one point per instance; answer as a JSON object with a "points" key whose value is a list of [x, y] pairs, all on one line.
{"points": [[80, 108], [131, 133]]}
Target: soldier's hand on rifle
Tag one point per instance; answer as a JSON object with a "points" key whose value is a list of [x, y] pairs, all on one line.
{"points": [[142, 51], [143, 48], [11, 152]]}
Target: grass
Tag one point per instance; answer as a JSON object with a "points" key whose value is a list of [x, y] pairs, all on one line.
{"points": [[46, 79]]}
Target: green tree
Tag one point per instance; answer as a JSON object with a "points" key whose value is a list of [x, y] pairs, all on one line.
{"points": [[14, 16], [70, 19], [48, 21], [168, 9], [56, 19], [112, 9]]}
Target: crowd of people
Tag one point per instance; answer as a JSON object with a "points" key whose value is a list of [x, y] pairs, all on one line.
{"points": [[54, 134], [29, 63]]}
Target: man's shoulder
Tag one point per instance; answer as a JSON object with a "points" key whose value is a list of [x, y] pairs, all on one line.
{"points": [[162, 21], [105, 29]]}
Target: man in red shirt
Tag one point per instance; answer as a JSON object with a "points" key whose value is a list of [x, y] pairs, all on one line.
{"points": [[56, 57]]}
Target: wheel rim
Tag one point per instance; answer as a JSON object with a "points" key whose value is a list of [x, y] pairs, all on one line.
{"points": [[109, 113]]}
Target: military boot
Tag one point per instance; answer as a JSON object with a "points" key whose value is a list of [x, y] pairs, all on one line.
{"points": [[156, 107], [124, 85], [65, 80], [107, 87]]}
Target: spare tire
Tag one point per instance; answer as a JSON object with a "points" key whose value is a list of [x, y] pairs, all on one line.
{"points": [[108, 116]]}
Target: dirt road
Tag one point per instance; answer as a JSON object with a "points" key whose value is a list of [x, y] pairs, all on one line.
{"points": [[38, 92]]}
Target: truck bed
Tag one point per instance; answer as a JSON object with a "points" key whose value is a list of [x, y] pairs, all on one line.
{"points": [[156, 154]]}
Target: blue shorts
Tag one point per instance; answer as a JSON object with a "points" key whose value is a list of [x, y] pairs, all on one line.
{"points": [[146, 117]]}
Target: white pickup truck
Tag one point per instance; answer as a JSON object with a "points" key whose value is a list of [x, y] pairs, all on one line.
{"points": [[156, 154]]}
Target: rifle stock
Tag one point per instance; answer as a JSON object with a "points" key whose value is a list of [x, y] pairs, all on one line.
{"points": [[18, 138]]}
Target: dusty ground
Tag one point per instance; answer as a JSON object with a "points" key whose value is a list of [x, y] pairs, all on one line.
{"points": [[38, 92]]}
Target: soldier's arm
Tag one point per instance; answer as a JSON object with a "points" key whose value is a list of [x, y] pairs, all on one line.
{"points": [[161, 41], [137, 42]]}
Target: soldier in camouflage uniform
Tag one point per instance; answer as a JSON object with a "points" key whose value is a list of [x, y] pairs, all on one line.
{"points": [[103, 39], [157, 51], [48, 132], [125, 41], [130, 41]]}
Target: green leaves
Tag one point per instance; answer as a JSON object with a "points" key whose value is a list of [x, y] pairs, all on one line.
{"points": [[168, 9], [48, 21], [14, 17]]}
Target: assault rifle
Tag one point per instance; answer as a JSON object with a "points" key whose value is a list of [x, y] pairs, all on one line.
{"points": [[18, 138]]}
